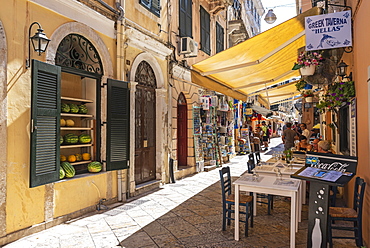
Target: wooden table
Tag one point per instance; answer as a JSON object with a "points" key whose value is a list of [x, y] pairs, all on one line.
{"points": [[271, 185]]}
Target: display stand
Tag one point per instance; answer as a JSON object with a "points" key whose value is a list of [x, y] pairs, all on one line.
{"points": [[323, 170], [197, 131]]}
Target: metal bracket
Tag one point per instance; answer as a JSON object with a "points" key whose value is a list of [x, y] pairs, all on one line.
{"points": [[103, 123], [103, 85], [100, 205]]}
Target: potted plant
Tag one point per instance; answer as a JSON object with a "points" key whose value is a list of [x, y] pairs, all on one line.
{"points": [[307, 62], [308, 95], [337, 95], [300, 85]]}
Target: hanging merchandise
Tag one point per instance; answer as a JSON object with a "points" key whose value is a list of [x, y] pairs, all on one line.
{"points": [[205, 102]]}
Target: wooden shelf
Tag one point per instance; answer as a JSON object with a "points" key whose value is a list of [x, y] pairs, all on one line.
{"points": [[81, 162], [75, 146], [77, 115], [76, 128], [76, 99]]}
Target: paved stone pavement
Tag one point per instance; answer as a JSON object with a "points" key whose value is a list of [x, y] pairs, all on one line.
{"points": [[187, 213]]}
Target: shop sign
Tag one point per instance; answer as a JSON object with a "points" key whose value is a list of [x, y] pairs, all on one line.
{"points": [[249, 111], [328, 31]]}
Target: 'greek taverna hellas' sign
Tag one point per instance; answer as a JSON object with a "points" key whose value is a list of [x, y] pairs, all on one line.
{"points": [[328, 31]]}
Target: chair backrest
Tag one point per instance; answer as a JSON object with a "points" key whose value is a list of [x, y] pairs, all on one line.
{"points": [[358, 198], [251, 164], [225, 179]]}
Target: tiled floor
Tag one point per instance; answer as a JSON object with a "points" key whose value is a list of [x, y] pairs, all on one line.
{"points": [[187, 213]]}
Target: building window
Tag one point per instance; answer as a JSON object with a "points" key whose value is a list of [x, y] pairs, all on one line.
{"points": [[185, 18], [205, 20], [153, 6], [219, 38]]}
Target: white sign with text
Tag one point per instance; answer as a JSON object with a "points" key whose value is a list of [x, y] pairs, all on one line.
{"points": [[328, 31]]}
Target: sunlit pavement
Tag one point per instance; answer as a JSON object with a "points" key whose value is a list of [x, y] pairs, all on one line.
{"points": [[187, 213]]}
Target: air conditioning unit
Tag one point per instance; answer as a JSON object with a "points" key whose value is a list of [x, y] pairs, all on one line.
{"points": [[188, 47]]}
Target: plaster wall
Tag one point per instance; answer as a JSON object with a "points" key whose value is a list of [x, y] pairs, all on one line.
{"points": [[361, 63], [26, 207]]}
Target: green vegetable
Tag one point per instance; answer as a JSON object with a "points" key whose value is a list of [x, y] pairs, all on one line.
{"points": [[94, 166], [73, 108], [82, 109], [65, 108], [70, 138], [68, 169], [62, 173], [61, 139]]}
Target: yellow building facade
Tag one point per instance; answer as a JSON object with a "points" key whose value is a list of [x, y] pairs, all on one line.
{"points": [[123, 53]]}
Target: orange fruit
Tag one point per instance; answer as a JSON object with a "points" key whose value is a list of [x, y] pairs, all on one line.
{"points": [[71, 158], [86, 156], [78, 157], [63, 158]]}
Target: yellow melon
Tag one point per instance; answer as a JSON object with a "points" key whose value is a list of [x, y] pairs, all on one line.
{"points": [[62, 122], [70, 123]]}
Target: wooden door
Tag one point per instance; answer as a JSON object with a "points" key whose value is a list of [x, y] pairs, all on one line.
{"points": [[182, 131], [145, 102]]}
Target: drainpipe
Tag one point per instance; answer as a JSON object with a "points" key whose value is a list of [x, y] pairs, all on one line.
{"points": [[119, 76]]}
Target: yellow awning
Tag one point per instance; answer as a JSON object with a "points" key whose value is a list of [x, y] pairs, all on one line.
{"points": [[280, 93], [263, 60]]}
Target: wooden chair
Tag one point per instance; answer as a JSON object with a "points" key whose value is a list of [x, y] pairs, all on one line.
{"points": [[349, 214], [270, 198], [228, 200]]}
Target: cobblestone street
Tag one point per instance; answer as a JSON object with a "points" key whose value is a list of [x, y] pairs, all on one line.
{"points": [[187, 213]]}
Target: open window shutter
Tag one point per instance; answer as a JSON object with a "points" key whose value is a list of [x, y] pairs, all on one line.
{"points": [[156, 7], [45, 123], [185, 18], [146, 3], [118, 125]]}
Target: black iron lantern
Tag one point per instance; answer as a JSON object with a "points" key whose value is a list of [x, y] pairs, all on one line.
{"points": [[39, 42], [342, 69]]}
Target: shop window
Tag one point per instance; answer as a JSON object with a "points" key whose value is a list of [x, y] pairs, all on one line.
{"points": [[185, 18], [153, 6], [75, 83], [205, 20], [219, 38]]}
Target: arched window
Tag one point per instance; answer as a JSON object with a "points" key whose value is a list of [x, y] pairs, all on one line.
{"points": [[75, 51], [145, 75]]}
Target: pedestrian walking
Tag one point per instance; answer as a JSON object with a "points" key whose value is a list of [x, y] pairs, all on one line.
{"points": [[289, 137]]}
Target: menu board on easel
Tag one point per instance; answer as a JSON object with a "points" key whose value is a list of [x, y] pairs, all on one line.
{"points": [[323, 170]]}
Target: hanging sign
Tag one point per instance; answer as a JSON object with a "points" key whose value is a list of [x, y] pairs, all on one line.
{"points": [[328, 31]]}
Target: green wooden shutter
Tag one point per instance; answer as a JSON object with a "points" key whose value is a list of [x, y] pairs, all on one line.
{"points": [[205, 22], [219, 38], [118, 125], [185, 18], [156, 7], [45, 123]]}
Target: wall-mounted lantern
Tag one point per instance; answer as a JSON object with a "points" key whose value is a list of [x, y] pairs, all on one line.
{"points": [[39, 42], [342, 71]]}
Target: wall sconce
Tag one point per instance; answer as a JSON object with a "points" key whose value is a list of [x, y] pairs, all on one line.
{"points": [[342, 71], [270, 17], [39, 42]]}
